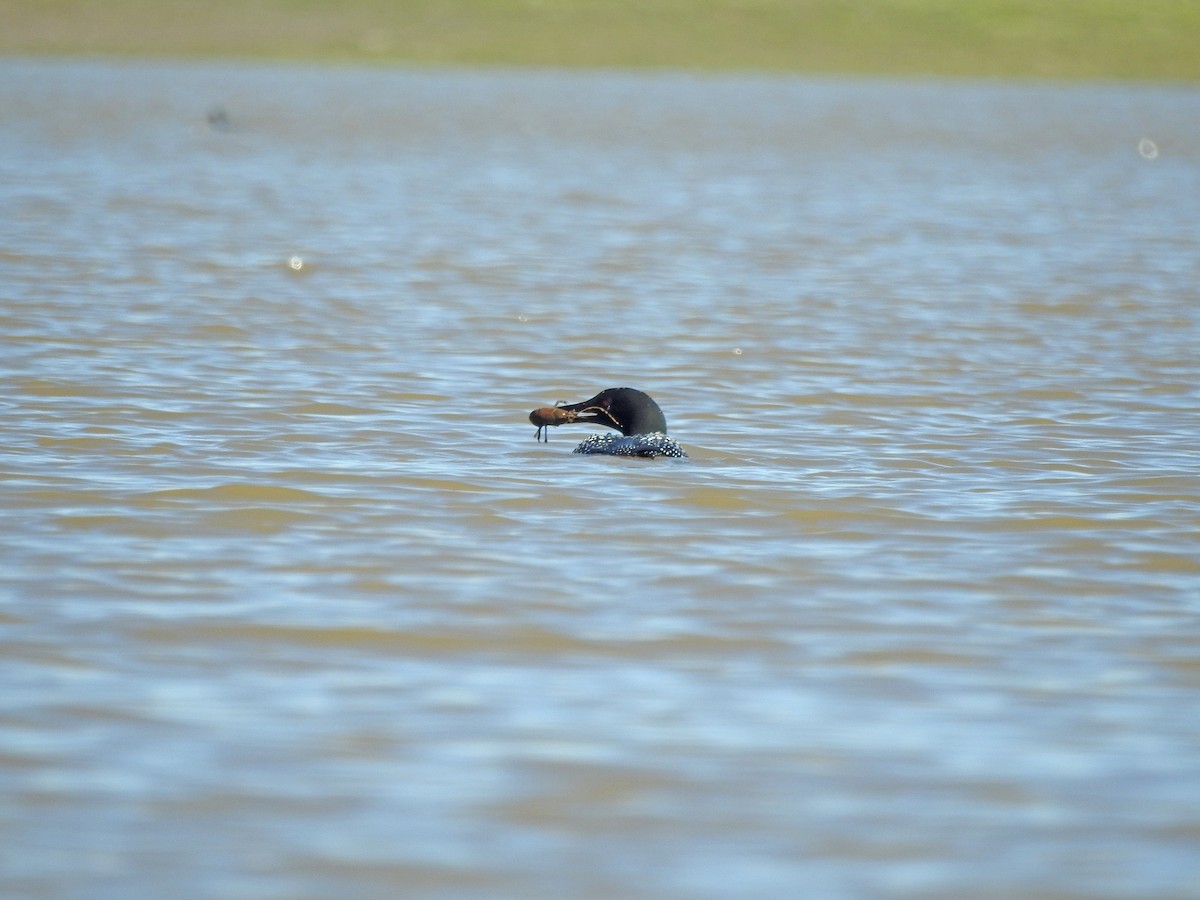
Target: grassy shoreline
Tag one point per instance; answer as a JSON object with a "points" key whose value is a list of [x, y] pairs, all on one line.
{"points": [[1124, 39]]}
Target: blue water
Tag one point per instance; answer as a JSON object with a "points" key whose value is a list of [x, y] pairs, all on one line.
{"points": [[294, 605]]}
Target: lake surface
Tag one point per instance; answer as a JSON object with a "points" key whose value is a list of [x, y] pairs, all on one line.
{"points": [[295, 606]]}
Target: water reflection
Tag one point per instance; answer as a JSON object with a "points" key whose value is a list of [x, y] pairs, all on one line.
{"points": [[296, 605]]}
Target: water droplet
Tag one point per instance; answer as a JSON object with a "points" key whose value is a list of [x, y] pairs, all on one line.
{"points": [[737, 351], [1148, 148], [522, 318], [296, 263]]}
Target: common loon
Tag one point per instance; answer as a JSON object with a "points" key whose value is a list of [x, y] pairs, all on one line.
{"points": [[641, 423]]}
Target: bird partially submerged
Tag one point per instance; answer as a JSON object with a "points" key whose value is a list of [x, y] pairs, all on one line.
{"points": [[642, 424]]}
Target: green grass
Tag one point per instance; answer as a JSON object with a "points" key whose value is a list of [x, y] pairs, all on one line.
{"points": [[1149, 39]]}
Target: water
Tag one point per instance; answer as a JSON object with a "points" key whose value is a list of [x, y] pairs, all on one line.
{"points": [[295, 606]]}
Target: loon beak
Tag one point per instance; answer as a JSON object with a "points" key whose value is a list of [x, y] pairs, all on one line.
{"points": [[587, 411]]}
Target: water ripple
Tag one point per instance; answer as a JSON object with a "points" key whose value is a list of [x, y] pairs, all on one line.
{"points": [[294, 603]]}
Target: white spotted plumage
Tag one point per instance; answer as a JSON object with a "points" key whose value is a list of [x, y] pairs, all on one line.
{"points": [[646, 446]]}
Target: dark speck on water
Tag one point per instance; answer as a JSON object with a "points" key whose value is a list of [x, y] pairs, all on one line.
{"points": [[218, 118]]}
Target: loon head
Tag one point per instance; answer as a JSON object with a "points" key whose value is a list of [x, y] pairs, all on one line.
{"points": [[626, 409]]}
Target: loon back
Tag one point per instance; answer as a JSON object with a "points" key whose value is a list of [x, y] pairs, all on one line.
{"points": [[645, 446]]}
